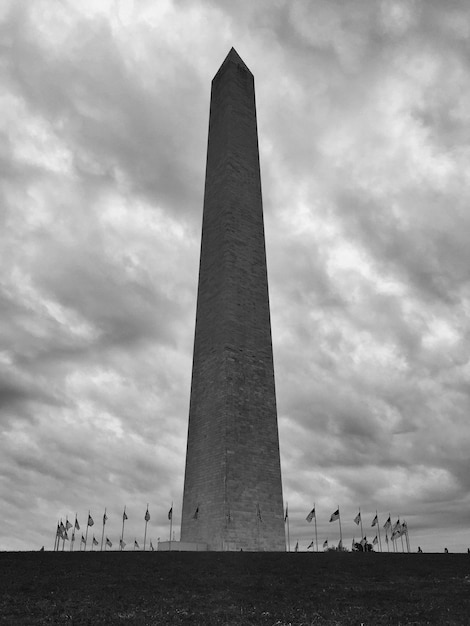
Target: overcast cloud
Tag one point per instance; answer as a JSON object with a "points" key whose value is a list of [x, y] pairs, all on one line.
{"points": [[363, 114]]}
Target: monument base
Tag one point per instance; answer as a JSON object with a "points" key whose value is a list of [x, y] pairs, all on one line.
{"points": [[181, 546]]}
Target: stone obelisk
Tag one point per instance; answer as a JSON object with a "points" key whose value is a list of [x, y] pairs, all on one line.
{"points": [[232, 490]]}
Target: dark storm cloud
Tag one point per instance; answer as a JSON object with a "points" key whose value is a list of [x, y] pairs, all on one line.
{"points": [[114, 113]]}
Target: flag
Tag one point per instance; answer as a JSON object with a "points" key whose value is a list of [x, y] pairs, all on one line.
{"points": [[90, 520], [357, 519], [83, 539], [95, 543], [396, 525], [170, 513], [376, 541], [62, 527], [136, 544], [124, 516], [65, 536], [196, 513], [388, 523], [151, 547], [73, 537], [105, 517], [258, 513], [325, 543], [59, 531], [77, 525], [122, 543], [340, 545], [311, 515], [386, 538], [67, 525], [147, 515], [286, 516], [398, 532], [296, 549], [375, 520], [310, 545], [363, 541], [108, 543], [334, 516]]}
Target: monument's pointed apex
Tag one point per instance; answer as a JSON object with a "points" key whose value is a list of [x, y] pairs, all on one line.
{"points": [[234, 57]]}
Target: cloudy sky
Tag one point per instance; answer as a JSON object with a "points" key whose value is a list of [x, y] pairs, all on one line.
{"points": [[364, 126]]}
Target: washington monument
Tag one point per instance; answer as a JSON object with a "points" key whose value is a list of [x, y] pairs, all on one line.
{"points": [[232, 488]]}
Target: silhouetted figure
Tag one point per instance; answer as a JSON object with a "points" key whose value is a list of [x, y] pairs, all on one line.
{"points": [[446, 550], [419, 549], [363, 547], [42, 549]]}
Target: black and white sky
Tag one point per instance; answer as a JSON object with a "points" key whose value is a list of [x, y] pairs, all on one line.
{"points": [[364, 127]]}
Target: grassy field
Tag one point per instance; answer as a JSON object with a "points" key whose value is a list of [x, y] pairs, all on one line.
{"points": [[233, 588]]}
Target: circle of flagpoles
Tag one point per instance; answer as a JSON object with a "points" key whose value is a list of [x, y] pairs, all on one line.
{"points": [[396, 533]]}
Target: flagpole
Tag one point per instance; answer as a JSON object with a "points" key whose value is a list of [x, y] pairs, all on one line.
{"points": [[102, 534], [171, 522], [122, 532], [74, 529], [288, 527], [56, 536], [315, 518], [72, 541], [391, 533], [340, 531], [63, 537], [387, 542], [146, 522], [407, 537], [378, 530], [86, 533]]}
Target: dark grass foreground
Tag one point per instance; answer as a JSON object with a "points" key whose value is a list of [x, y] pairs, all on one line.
{"points": [[233, 588]]}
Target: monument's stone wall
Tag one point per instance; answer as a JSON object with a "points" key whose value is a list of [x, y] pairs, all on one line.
{"points": [[232, 492], [181, 546]]}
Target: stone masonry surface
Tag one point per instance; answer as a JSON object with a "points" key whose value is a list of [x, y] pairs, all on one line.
{"points": [[232, 492]]}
